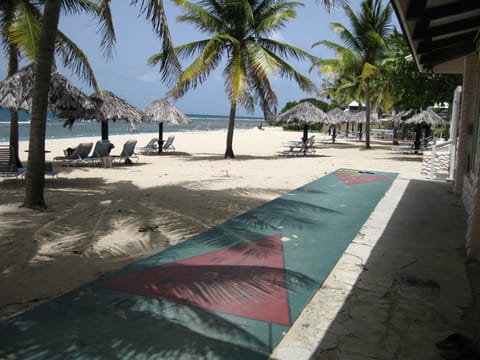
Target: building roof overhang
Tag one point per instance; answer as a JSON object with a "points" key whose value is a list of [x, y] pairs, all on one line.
{"points": [[439, 32]]}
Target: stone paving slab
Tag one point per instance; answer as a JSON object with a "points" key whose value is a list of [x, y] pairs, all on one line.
{"points": [[397, 289]]}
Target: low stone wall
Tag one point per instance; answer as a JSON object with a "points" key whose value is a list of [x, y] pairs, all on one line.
{"points": [[442, 162]]}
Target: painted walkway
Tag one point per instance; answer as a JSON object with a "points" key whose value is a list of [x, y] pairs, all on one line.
{"points": [[229, 293]]}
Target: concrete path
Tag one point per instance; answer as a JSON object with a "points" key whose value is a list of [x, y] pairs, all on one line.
{"points": [[400, 287]]}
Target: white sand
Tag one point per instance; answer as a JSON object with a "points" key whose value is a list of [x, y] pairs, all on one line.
{"points": [[96, 215]]}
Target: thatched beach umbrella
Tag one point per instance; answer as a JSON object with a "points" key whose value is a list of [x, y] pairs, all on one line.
{"points": [[161, 111], [113, 107], [304, 113], [338, 116], [428, 118], [398, 120], [16, 92]]}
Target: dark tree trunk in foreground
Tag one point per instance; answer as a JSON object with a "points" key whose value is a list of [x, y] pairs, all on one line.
{"points": [[231, 126], [12, 69], [35, 176]]}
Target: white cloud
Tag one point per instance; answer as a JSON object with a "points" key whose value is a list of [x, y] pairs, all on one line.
{"points": [[150, 77]]}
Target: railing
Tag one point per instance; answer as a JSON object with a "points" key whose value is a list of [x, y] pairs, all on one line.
{"points": [[435, 146]]}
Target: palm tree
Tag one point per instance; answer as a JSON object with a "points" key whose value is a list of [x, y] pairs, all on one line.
{"points": [[20, 27], [239, 33], [359, 60], [153, 10]]}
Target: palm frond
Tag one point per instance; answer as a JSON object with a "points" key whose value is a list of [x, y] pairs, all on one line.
{"points": [[199, 69], [236, 79], [75, 59], [269, 19], [154, 12], [329, 4], [203, 19], [24, 30], [285, 50], [287, 71], [101, 11]]}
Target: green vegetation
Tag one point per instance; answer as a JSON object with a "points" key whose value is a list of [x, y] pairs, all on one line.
{"points": [[238, 36], [410, 88], [353, 73]]}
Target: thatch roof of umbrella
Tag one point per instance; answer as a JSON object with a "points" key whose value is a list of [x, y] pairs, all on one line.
{"points": [[360, 117], [338, 116], [427, 117], [113, 107], [399, 119], [161, 111], [304, 113], [17, 92]]}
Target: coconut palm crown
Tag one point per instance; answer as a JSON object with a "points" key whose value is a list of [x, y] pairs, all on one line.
{"points": [[358, 60], [239, 37]]}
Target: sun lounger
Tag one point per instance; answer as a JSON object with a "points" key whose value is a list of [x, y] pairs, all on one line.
{"points": [[76, 156], [299, 148], [168, 145], [101, 150], [150, 148], [8, 166], [127, 154]]}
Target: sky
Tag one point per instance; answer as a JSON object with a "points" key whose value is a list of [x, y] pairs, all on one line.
{"points": [[128, 75]]}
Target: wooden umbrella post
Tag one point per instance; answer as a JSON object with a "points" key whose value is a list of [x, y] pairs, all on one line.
{"points": [[160, 137]]}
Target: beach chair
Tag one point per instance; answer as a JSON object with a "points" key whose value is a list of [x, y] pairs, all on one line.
{"points": [[150, 148], [76, 156], [168, 145], [101, 150], [127, 154], [299, 148], [8, 166]]}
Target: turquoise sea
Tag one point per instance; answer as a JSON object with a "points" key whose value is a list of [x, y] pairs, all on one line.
{"points": [[55, 129]]}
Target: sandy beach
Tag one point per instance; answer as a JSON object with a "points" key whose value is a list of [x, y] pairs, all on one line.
{"points": [[101, 219]]}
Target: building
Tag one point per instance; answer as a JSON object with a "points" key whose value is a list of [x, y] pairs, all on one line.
{"points": [[444, 37]]}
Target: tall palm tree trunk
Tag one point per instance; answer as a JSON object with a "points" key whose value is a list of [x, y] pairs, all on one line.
{"points": [[368, 109], [35, 176], [231, 126], [12, 69]]}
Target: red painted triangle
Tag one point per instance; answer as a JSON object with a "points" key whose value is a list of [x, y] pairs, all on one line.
{"points": [[355, 178], [246, 280]]}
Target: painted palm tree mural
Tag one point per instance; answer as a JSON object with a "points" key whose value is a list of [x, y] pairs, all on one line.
{"points": [[239, 37]]}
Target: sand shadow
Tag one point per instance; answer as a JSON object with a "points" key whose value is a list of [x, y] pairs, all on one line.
{"points": [[82, 212]]}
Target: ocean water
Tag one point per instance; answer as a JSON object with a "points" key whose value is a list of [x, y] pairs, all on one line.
{"points": [[56, 130]]}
